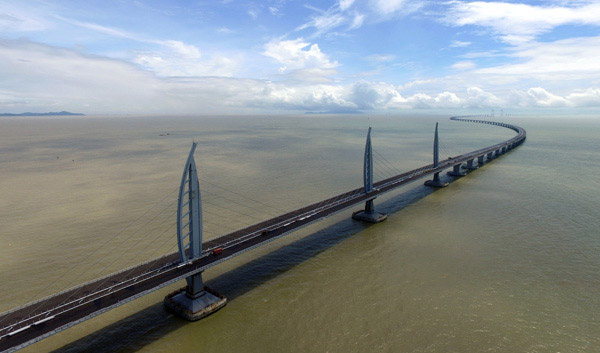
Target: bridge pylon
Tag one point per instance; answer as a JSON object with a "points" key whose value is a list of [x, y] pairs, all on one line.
{"points": [[436, 182], [369, 214], [194, 301]]}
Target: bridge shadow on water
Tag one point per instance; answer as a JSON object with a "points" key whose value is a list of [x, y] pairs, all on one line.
{"points": [[151, 324]]}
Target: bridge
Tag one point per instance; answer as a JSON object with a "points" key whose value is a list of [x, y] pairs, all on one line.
{"points": [[37, 320]]}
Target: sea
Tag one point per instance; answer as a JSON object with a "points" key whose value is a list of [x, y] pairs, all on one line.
{"points": [[505, 259]]}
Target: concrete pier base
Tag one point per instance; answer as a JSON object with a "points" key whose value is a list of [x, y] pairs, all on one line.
{"points": [[490, 155], [470, 165], [369, 217], [480, 160], [196, 307], [436, 182], [369, 214], [456, 172]]}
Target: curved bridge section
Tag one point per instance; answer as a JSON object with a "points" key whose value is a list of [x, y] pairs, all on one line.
{"points": [[34, 321], [509, 144]]}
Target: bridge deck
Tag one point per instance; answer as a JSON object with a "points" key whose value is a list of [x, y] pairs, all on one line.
{"points": [[40, 319]]}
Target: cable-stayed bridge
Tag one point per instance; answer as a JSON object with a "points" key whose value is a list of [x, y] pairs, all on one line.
{"points": [[37, 320]]}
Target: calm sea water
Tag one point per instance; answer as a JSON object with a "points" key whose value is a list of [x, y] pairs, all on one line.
{"points": [[503, 260]]}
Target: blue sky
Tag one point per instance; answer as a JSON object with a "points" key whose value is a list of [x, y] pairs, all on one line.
{"points": [[223, 57]]}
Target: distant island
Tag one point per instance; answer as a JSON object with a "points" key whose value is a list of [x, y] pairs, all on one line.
{"points": [[41, 114]]}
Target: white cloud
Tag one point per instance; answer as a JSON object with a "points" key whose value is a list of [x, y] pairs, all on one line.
{"points": [[325, 22], [292, 55], [173, 58], [368, 95], [390, 7], [225, 30], [113, 32], [567, 59], [381, 58], [254, 13], [345, 4], [482, 54], [459, 44], [442, 100], [585, 98], [478, 98], [448, 99], [463, 65], [40, 78], [181, 59], [185, 50], [520, 23], [537, 97], [21, 18], [544, 98], [357, 21], [274, 11]]}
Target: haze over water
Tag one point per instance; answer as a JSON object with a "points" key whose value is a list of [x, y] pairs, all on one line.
{"points": [[503, 260]]}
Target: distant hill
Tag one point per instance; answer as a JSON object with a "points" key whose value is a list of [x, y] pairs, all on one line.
{"points": [[41, 114]]}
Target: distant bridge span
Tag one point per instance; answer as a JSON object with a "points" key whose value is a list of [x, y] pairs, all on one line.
{"points": [[37, 320]]}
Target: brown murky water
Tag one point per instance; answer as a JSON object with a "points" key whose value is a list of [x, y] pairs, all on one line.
{"points": [[504, 260]]}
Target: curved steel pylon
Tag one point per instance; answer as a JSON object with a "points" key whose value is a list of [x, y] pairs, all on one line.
{"points": [[189, 212], [436, 148], [368, 164]]}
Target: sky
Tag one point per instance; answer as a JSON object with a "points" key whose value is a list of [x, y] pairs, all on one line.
{"points": [[278, 56]]}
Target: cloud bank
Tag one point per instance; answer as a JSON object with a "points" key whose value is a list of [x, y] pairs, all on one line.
{"points": [[37, 75]]}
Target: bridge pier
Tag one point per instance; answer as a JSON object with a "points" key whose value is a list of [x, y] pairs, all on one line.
{"points": [[436, 182], [470, 165], [456, 172], [194, 301], [369, 214], [480, 160], [490, 155]]}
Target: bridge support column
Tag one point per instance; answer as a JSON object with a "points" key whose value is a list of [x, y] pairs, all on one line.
{"points": [[470, 165], [436, 182], [194, 301], [480, 160], [456, 172], [369, 214], [490, 155]]}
